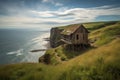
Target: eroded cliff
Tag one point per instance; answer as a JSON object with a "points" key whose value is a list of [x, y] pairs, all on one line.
{"points": [[55, 37]]}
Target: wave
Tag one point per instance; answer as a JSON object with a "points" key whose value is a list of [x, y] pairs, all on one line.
{"points": [[39, 41], [41, 38], [34, 44], [24, 54], [17, 52]]}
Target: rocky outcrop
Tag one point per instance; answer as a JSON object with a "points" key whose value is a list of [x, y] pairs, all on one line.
{"points": [[45, 59], [55, 37]]}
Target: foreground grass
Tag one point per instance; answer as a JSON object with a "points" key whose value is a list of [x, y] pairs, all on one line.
{"points": [[99, 71], [29, 71]]}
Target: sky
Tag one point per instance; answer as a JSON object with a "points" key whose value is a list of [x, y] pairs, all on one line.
{"points": [[50, 13]]}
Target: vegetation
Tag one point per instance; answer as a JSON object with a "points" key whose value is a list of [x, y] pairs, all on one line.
{"points": [[99, 71], [106, 34], [98, 63], [98, 25]]}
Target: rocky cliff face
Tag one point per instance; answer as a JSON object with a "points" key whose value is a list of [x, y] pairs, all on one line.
{"points": [[55, 40], [55, 37]]}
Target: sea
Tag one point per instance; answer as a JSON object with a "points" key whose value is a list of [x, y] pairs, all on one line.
{"points": [[16, 45]]}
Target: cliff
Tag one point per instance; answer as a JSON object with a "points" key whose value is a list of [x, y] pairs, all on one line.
{"points": [[55, 37]]}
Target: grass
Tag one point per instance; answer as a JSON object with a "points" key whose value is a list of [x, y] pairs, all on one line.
{"points": [[98, 64], [60, 54], [101, 63], [28, 71], [106, 34], [98, 25], [99, 71]]}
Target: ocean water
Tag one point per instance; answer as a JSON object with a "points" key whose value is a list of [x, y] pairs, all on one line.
{"points": [[16, 44]]}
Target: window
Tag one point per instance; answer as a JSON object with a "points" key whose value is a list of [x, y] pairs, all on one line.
{"points": [[77, 36]]}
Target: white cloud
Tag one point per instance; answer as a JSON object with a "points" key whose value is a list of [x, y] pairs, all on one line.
{"points": [[59, 17], [52, 2], [81, 14]]}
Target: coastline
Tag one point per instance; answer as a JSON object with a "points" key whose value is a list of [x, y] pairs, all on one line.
{"points": [[44, 41], [29, 40], [47, 46]]}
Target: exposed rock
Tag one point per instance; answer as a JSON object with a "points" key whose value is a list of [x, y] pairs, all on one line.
{"points": [[55, 37], [46, 39], [45, 59], [38, 50]]}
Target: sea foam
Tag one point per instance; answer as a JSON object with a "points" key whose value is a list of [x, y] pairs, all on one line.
{"points": [[17, 52]]}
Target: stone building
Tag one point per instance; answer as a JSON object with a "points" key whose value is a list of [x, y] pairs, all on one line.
{"points": [[76, 36]]}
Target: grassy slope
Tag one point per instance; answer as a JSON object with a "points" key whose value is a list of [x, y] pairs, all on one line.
{"points": [[101, 33], [101, 63]]}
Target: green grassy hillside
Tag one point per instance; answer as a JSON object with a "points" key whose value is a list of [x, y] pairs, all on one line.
{"points": [[100, 62]]}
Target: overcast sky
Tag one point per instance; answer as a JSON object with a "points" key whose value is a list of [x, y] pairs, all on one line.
{"points": [[49, 13]]}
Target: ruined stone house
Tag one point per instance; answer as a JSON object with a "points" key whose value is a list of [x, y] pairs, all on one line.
{"points": [[75, 36]]}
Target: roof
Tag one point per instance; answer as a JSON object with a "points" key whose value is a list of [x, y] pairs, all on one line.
{"points": [[72, 28]]}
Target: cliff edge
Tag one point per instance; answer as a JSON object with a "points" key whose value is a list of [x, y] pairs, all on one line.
{"points": [[55, 37]]}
